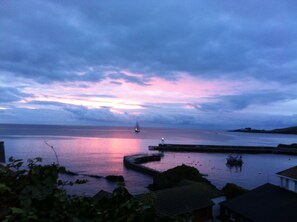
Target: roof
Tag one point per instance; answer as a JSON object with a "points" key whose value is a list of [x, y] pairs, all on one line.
{"points": [[266, 203], [291, 173], [102, 194], [207, 189], [179, 200]]}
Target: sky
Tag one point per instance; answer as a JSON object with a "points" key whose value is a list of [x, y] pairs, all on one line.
{"points": [[201, 64]]}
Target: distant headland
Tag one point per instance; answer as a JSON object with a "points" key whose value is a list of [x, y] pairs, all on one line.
{"points": [[288, 130]]}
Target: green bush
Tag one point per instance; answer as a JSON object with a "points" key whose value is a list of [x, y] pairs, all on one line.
{"points": [[35, 193]]}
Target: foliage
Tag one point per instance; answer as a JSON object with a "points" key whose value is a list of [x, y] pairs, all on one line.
{"points": [[35, 193]]}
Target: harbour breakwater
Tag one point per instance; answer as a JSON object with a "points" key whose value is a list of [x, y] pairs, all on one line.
{"points": [[280, 149], [134, 162]]}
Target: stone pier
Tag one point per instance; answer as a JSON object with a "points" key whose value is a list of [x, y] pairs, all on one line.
{"points": [[280, 149], [134, 162]]}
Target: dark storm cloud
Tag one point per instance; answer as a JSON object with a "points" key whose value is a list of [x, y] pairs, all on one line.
{"points": [[84, 113], [46, 103], [9, 94], [240, 102], [97, 95], [81, 112], [79, 41], [127, 78], [115, 83], [36, 116], [173, 120]]}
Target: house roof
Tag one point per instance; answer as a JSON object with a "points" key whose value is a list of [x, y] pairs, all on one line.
{"points": [[266, 203], [179, 200], [102, 194], [291, 173], [207, 189]]}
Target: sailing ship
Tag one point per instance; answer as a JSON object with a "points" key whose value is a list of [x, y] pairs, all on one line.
{"points": [[137, 128]]}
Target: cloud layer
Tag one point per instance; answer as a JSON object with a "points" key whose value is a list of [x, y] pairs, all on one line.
{"points": [[169, 62]]}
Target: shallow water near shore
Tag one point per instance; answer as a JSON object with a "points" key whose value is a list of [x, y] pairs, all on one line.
{"points": [[100, 151]]}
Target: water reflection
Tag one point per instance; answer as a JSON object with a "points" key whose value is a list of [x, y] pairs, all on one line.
{"points": [[99, 151], [256, 170], [95, 156], [234, 168]]}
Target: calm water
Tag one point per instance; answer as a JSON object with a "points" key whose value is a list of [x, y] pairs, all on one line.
{"points": [[100, 151]]}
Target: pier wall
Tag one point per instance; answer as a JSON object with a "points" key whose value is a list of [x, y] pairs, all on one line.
{"points": [[223, 149], [2, 152], [134, 162]]}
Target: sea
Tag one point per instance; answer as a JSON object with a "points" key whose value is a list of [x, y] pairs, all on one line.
{"points": [[99, 150]]}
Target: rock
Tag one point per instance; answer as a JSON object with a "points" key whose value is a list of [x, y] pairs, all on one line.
{"points": [[94, 176], [70, 173], [171, 177], [115, 178]]}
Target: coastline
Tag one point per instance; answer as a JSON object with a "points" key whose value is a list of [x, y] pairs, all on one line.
{"points": [[288, 130]]}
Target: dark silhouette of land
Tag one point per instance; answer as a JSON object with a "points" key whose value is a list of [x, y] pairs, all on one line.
{"points": [[288, 130]]}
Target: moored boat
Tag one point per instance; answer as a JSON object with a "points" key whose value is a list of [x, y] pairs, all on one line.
{"points": [[234, 160]]}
